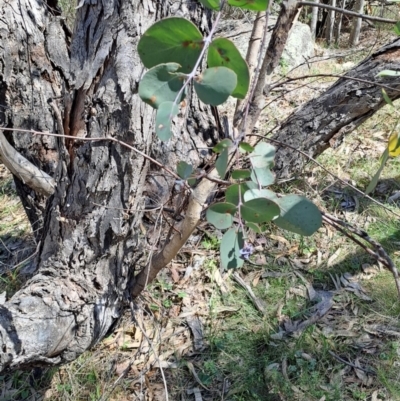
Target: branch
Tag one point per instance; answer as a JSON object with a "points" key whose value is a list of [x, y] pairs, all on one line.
{"points": [[347, 12], [377, 250], [27, 172], [365, 81], [327, 171]]}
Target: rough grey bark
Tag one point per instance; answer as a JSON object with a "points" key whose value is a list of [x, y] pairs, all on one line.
{"points": [[325, 120], [339, 23], [356, 28], [330, 23], [84, 86], [314, 20]]}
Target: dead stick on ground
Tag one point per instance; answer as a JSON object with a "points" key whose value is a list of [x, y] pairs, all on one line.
{"points": [[377, 250], [369, 371], [256, 301]]}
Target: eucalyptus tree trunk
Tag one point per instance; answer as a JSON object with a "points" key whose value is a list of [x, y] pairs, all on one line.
{"points": [[339, 23], [84, 85], [330, 23], [314, 20], [356, 27]]}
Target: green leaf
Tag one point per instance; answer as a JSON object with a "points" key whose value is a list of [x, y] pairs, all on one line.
{"points": [[387, 98], [388, 73], [231, 244], [255, 227], [241, 174], [165, 113], [192, 181], [246, 147], [224, 144], [232, 193], [160, 85], [374, 182], [299, 215], [184, 170], [171, 40], [215, 85], [259, 193], [396, 28], [263, 155], [250, 185], [220, 215], [262, 176], [212, 4], [255, 5], [221, 163], [259, 210], [223, 53]]}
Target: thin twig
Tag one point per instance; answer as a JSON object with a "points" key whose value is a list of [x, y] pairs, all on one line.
{"points": [[377, 250], [327, 171], [347, 12], [370, 371], [365, 81], [95, 139], [136, 321]]}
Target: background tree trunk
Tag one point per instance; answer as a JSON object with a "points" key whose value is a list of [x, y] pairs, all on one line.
{"points": [[325, 120], [356, 28], [339, 23], [314, 20], [330, 23], [90, 246]]}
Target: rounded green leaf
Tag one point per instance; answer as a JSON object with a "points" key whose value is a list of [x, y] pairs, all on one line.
{"points": [[221, 163], [255, 227], [220, 215], [215, 85], [232, 193], [241, 174], [246, 147], [299, 215], [259, 193], [263, 155], [171, 40], [220, 146], [231, 244], [165, 113], [259, 210], [160, 85], [262, 176], [222, 52], [184, 170], [388, 73], [255, 5], [251, 185], [212, 4]]}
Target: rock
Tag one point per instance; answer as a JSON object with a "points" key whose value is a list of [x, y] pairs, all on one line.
{"points": [[299, 48], [300, 45]]}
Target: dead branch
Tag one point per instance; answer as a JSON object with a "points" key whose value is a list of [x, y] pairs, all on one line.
{"points": [[22, 168], [377, 250]]}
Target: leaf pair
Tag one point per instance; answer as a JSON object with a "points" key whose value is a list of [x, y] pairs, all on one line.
{"points": [[296, 214], [171, 49]]}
